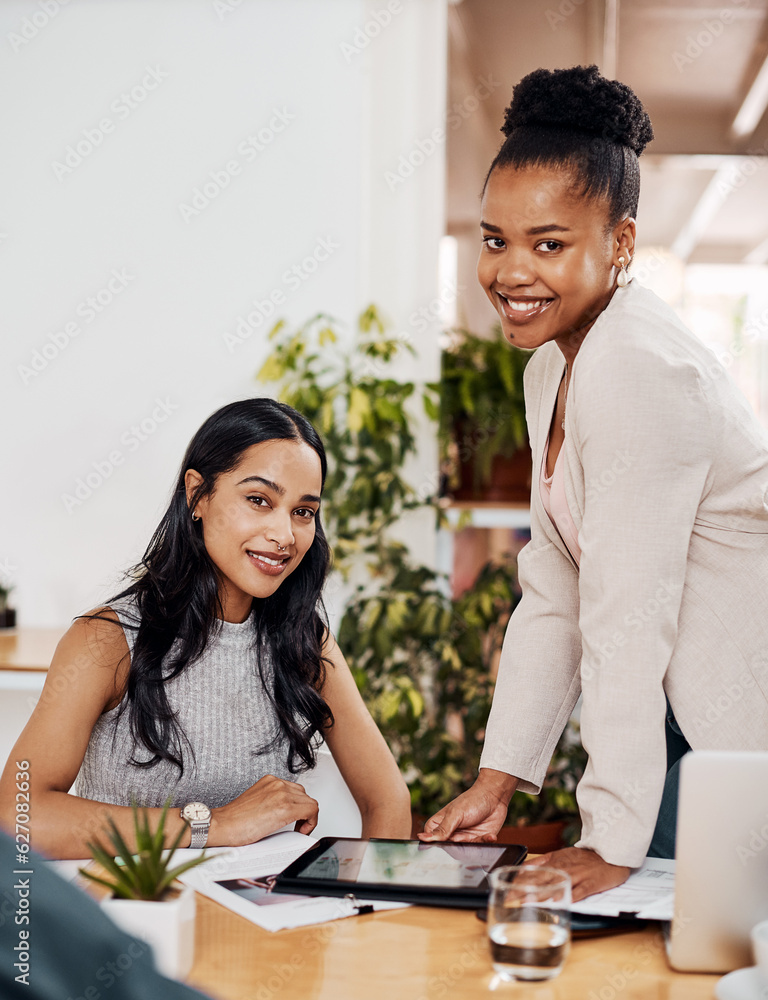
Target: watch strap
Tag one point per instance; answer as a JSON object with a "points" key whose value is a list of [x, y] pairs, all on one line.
{"points": [[199, 834]]}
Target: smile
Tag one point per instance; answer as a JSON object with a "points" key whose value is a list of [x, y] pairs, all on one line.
{"points": [[267, 564], [522, 310]]}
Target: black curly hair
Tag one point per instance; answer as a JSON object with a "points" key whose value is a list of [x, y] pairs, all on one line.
{"points": [[578, 119]]}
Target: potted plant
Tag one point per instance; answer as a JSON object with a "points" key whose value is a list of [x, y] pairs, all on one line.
{"points": [[422, 660], [424, 664], [144, 900], [7, 614], [483, 436], [365, 417]]}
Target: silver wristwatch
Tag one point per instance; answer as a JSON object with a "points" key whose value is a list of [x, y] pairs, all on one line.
{"points": [[198, 815]]}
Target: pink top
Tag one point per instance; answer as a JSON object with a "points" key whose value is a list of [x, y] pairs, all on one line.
{"points": [[553, 498]]}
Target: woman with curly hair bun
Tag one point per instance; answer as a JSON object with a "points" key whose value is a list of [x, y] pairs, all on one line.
{"points": [[645, 583]]}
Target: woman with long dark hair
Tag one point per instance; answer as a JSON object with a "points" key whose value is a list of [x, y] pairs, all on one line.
{"points": [[209, 679]]}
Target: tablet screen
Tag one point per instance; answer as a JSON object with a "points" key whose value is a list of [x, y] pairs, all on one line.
{"points": [[403, 863]]}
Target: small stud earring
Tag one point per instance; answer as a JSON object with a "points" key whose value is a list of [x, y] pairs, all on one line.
{"points": [[622, 279]]}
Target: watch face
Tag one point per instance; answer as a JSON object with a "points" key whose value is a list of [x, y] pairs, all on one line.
{"points": [[196, 811]]}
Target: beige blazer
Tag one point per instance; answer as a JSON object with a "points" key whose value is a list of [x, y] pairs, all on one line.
{"points": [[666, 475]]}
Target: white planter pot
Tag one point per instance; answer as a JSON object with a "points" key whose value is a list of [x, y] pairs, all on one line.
{"points": [[167, 926]]}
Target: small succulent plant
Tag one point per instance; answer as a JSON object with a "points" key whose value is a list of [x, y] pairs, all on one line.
{"points": [[144, 873]]}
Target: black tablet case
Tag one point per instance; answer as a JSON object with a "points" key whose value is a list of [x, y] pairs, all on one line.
{"points": [[292, 881]]}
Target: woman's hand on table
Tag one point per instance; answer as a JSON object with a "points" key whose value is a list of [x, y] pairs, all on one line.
{"points": [[477, 814], [262, 809], [589, 873]]}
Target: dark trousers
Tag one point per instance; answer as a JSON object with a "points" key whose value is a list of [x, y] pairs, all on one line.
{"points": [[663, 841]]}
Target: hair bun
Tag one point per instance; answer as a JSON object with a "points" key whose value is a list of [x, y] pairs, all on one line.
{"points": [[579, 98]]}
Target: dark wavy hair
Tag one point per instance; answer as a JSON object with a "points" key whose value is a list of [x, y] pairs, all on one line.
{"points": [[177, 598], [576, 118]]}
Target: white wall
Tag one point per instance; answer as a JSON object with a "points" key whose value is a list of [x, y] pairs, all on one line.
{"points": [[332, 95]]}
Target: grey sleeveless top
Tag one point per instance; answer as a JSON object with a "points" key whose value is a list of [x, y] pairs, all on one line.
{"points": [[225, 713]]}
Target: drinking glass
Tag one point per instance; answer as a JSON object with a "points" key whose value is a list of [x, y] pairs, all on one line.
{"points": [[529, 921]]}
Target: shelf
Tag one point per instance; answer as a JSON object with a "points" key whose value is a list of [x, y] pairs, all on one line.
{"points": [[489, 515], [486, 516]]}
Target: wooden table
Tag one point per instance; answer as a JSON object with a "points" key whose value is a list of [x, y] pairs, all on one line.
{"points": [[28, 648], [420, 953], [417, 954]]}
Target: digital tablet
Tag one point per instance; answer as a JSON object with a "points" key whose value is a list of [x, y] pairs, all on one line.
{"points": [[405, 871]]}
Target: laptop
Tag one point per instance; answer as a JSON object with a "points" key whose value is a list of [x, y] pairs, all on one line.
{"points": [[721, 873]]}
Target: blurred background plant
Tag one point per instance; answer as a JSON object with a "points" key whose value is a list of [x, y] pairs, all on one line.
{"points": [[423, 660], [482, 431], [7, 613], [365, 417]]}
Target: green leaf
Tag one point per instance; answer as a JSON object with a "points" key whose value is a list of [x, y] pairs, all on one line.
{"points": [[416, 700], [272, 370], [121, 891], [280, 325], [359, 408], [431, 408], [174, 873], [107, 861], [120, 845], [396, 614]]}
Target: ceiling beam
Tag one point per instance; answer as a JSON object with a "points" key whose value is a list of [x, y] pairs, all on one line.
{"points": [[706, 208], [609, 66], [753, 106], [603, 36], [758, 255]]}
